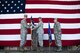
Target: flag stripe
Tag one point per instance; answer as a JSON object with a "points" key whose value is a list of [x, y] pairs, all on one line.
{"points": [[54, 15], [15, 37], [13, 43], [45, 20], [17, 31], [46, 43], [52, 11], [48, 6], [36, 15], [11, 16], [63, 25], [63, 0], [53, 2]]}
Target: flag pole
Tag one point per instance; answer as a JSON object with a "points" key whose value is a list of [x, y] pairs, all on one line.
{"points": [[31, 32], [31, 37], [49, 46]]}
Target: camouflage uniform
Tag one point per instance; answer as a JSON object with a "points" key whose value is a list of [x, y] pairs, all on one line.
{"points": [[24, 27], [40, 33], [34, 39], [57, 34]]}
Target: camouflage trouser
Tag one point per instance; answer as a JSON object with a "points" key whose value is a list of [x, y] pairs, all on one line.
{"points": [[34, 39], [58, 40], [40, 39], [23, 40]]}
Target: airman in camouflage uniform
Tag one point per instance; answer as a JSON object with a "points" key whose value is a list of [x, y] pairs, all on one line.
{"points": [[57, 34], [40, 31], [23, 31]]}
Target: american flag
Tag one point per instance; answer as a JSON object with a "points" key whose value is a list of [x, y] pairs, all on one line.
{"points": [[67, 12]]}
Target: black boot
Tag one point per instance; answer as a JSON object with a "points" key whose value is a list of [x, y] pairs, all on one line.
{"points": [[59, 49], [21, 48]]}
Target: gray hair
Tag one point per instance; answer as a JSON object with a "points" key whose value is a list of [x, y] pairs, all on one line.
{"points": [[25, 15], [55, 18], [40, 18]]}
